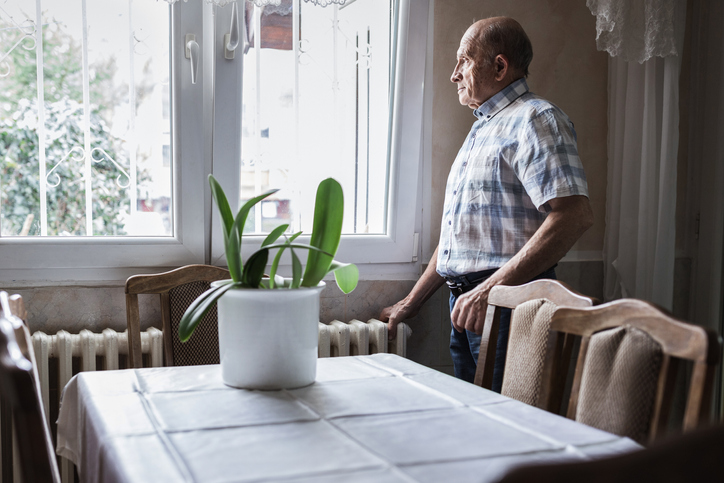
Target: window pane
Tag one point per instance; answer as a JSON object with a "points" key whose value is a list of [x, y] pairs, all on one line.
{"points": [[85, 120], [317, 108]]}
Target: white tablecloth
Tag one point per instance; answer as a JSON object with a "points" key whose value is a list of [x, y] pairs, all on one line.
{"points": [[378, 418]]}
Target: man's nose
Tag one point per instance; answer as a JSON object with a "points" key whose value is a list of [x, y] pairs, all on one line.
{"points": [[455, 77]]}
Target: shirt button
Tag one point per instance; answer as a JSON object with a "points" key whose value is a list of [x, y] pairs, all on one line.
{"points": [[449, 222], [445, 252], [465, 163], [455, 192]]}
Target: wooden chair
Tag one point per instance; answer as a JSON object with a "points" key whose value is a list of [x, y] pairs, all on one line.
{"points": [[20, 391], [625, 377], [511, 297], [177, 289], [694, 456]]}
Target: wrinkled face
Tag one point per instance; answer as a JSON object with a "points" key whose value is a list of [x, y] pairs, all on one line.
{"points": [[474, 80]]}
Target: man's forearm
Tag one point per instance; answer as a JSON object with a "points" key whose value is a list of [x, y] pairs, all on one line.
{"points": [[426, 285], [408, 307], [570, 218], [567, 221]]}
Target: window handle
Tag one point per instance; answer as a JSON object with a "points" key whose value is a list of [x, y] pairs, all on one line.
{"points": [[192, 53], [231, 40]]}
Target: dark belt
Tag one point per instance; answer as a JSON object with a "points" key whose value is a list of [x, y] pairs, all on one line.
{"points": [[465, 283]]}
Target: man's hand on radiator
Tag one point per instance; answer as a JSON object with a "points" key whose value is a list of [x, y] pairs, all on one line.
{"points": [[395, 314]]}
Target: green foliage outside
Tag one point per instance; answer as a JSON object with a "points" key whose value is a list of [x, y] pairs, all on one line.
{"points": [[64, 134]]}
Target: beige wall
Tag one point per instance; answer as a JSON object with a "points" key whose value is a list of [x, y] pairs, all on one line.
{"points": [[566, 69]]}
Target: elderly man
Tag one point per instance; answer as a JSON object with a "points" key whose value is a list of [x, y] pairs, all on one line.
{"points": [[516, 198]]}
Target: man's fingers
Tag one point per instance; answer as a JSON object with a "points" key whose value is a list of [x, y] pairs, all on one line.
{"points": [[480, 320], [458, 315], [385, 314], [468, 314], [391, 329]]}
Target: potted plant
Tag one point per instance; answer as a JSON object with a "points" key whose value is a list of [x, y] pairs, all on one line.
{"points": [[268, 324]]}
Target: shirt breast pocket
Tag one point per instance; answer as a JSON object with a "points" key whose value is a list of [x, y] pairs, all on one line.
{"points": [[480, 182]]}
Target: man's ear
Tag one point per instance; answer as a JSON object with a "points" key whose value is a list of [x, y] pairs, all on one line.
{"points": [[502, 67]]}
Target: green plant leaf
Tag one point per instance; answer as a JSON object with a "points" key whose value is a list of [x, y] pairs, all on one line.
{"points": [[326, 231], [233, 255], [254, 268], [274, 235], [199, 308], [295, 245], [241, 217], [346, 275], [274, 266], [233, 227], [236, 233], [277, 258], [231, 247], [227, 219], [296, 270]]}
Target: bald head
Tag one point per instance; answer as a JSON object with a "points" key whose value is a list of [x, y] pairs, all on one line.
{"points": [[500, 35]]}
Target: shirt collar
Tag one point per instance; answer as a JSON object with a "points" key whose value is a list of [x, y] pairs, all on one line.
{"points": [[502, 99]]}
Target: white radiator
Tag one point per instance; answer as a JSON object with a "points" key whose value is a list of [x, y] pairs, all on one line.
{"points": [[335, 339], [357, 338], [86, 346]]}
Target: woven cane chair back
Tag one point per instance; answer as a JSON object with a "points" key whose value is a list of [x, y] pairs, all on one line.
{"points": [[177, 290]]}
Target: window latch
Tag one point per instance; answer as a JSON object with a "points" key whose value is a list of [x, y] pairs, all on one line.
{"points": [[231, 40], [192, 53]]}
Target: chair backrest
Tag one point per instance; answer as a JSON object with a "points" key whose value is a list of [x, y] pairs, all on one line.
{"points": [[511, 297], [177, 290], [21, 392], [627, 366]]}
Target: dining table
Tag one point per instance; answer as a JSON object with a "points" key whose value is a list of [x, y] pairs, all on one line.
{"points": [[378, 418]]}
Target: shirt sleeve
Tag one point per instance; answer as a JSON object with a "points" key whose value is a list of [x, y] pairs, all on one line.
{"points": [[547, 164]]}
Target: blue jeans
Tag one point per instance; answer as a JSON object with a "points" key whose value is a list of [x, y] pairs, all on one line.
{"points": [[465, 346]]}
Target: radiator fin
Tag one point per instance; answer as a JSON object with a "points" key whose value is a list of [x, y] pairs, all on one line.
{"points": [[359, 338]]}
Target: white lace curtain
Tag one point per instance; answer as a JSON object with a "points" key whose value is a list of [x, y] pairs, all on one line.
{"points": [[637, 30], [644, 39]]}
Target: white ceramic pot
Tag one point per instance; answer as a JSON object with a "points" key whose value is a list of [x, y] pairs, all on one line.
{"points": [[268, 338]]}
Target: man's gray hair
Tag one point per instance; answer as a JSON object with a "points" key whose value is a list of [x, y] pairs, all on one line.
{"points": [[506, 36]]}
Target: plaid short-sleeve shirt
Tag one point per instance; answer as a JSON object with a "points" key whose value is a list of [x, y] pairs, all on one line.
{"points": [[519, 154]]}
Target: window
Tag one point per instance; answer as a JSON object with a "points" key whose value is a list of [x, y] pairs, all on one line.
{"points": [[322, 101], [126, 137], [89, 178], [84, 125], [345, 100]]}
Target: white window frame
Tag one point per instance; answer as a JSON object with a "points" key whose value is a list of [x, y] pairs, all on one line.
{"points": [[378, 256], [36, 261], [206, 120]]}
